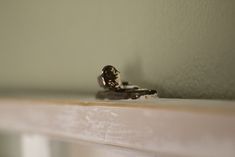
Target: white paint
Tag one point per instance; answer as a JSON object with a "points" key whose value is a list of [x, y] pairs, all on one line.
{"points": [[178, 127], [35, 146]]}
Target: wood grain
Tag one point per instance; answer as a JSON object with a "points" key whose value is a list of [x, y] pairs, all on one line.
{"points": [[160, 126]]}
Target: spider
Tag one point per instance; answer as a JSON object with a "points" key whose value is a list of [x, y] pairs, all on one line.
{"points": [[110, 79]]}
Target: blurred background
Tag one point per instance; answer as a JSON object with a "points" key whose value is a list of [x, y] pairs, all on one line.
{"points": [[32, 145], [184, 49]]}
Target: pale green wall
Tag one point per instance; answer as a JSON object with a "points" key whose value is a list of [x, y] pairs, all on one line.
{"points": [[10, 144], [185, 48]]}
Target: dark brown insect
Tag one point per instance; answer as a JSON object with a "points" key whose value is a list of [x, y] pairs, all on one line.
{"points": [[110, 80]]}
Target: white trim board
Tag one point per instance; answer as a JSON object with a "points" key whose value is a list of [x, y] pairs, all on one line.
{"points": [[171, 126]]}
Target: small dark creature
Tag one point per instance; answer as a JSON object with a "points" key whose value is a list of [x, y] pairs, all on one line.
{"points": [[110, 80]]}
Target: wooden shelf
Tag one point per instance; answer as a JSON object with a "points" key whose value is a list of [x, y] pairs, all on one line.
{"points": [[170, 126]]}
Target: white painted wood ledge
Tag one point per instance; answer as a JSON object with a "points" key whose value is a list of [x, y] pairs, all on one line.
{"points": [[160, 126]]}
